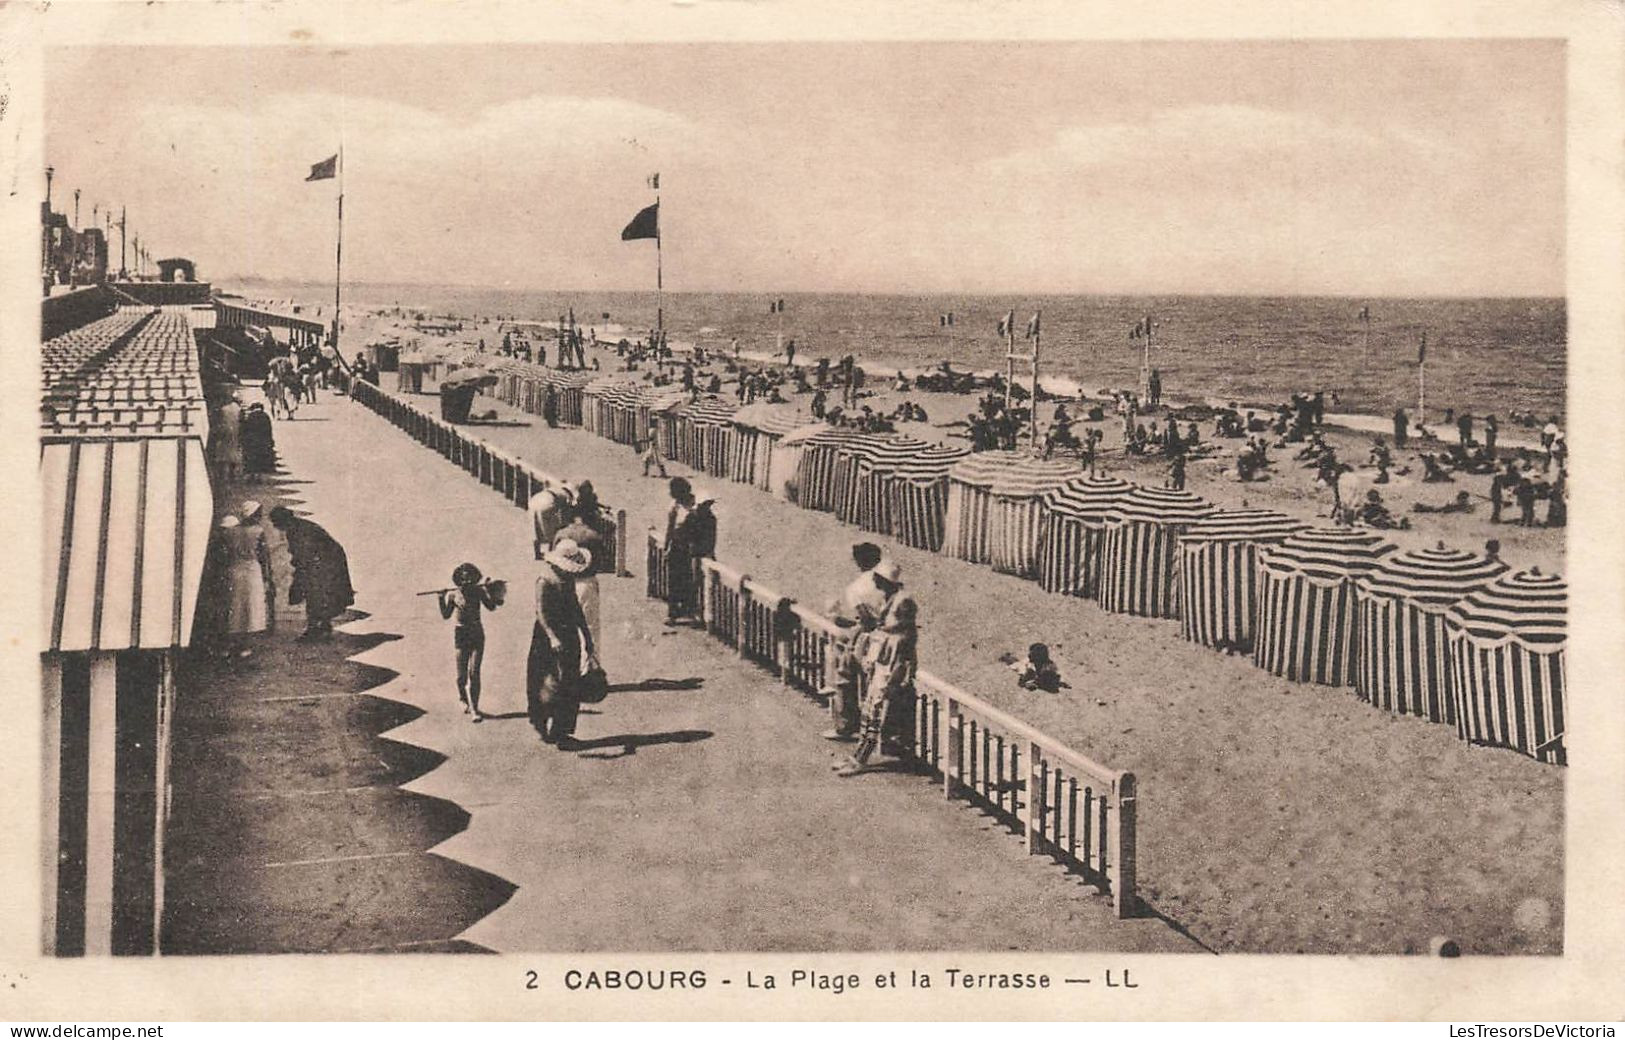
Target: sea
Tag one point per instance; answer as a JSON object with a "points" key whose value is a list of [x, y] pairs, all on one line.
{"points": [[1485, 356]]}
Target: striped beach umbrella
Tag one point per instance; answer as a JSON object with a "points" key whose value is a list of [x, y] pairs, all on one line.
{"points": [[758, 428], [1404, 658], [1509, 643], [1139, 550], [907, 497], [1305, 627], [1218, 574], [993, 507], [1070, 528]]}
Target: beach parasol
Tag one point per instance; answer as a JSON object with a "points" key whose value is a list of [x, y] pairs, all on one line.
{"points": [[993, 507], [1307, 603], [1071, 526], [1404, 660], [1139, 550], [1218, 575], [1509, 649]]}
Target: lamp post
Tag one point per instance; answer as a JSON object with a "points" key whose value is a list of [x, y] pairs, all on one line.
{"points": [[45, 231]]}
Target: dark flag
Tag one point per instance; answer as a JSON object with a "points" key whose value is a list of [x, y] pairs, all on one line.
{"points": [[942, 320], [1032, 327], [645, 225], [654, 181], [1422, 350], [1365, 314], [325, 170], [1007, 324], [950, 317]]}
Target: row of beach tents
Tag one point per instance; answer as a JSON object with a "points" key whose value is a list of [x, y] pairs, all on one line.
{"points": [[1441, 634]]}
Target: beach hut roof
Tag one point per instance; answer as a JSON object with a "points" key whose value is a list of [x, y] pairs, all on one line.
{"points": [[922, 463], [1012, 474], [1087, 498], [1160, 506], [707, 411], [775, 419], [1528, 607], [819, 433], [605, 385], [1328, 554], [660, 398], [1243, 525], [1437, 577]]}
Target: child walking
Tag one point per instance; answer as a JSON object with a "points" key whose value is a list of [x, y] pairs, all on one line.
{"points": [[466, 601]]}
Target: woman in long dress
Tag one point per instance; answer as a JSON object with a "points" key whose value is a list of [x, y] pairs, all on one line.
{"points": [[245, 564]]}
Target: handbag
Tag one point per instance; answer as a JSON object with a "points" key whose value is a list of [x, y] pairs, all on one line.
{"points": [[593, 686]]}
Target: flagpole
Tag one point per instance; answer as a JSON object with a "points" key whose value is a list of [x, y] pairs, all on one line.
{"points": [[660, 298], [1009, 357], [338, 256], [1038, 333], [1422, 382], [1145, 362]]}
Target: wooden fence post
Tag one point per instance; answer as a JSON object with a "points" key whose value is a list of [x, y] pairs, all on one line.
{"points": [[621, 570], [954, 762], [1035, 796], [742, 613], [1124, 900]]}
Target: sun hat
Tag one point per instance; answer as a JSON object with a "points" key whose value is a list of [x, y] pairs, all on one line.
{"points": [[889, 570], [229, 520], [249, 510], [568, 557]]}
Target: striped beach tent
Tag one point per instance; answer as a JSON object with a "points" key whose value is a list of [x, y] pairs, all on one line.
{"points": [[758, 428], [1305, 628], [861, 497], [784, 459], [569, 389], [599, 396], [1071, 525], [1218, 574], [821, 469], [993, 507], [906, 496], [1139, 550], [699, 434], [1404, 658], [1509, 644]]}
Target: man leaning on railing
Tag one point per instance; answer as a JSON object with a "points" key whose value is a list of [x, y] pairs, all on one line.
{"points": [[889, 661]]}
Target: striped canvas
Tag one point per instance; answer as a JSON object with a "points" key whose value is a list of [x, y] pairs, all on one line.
{"points": [[1509, 651], [1307, 603], [1071, 526], [1218, 574], [993, 510], [1404, 649], [1139, 553]]}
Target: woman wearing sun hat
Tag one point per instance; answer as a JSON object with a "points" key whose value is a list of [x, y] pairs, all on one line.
{"points": [[246, 565], [557, 641]]}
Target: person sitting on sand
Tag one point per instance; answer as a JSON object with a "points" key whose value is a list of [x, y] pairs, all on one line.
{"points": [[1436, 473], [902, 385], [1039, 671], [1381, 458], [1373, 512], [1462, 504]]}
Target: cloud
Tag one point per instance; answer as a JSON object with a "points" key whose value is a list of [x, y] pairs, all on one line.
{"points": [[1209, 136]]}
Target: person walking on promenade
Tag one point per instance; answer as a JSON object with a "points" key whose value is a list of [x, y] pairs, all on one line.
{"points": [[857, 612], [590, 529], [559, 644], [465, 602], [890, 659], [651, 450], [259, 443], [682, 564], [321, 573], [549, 511]]}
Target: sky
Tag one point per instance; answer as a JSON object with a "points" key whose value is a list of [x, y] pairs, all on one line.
{"points": [[1362, 168]]}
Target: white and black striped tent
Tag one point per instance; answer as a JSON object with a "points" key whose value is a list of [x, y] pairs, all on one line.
{"points": [[1139, 550], [993, 508], [757, 430], [1071, 526], [1307, 603], [1404, 656], [860, 497], [818, 470], [912, 495], [699, 434], [602, 399], [1509, 644], [1218, 561]]}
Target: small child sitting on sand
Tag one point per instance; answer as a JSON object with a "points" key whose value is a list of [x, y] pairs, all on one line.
{"points": [[1038, 672]]}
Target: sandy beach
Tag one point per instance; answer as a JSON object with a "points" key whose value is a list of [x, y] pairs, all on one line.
{"points": [[1275, 817]]}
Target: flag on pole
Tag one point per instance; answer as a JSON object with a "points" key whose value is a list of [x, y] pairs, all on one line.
{"points": [[325, 170], [1032, 327], [1365, 314], [1422, 349], [654, 181], [1007, 324], [645, 225], [950, 317]]}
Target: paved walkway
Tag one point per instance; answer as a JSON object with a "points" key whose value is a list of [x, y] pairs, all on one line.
{"points": [[701, 815]]}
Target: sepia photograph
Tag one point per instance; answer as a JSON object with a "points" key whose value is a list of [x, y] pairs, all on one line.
{"points": [[848, 495]]}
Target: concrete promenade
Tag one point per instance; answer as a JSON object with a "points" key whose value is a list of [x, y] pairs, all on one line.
{"points": [[701, 814]]}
